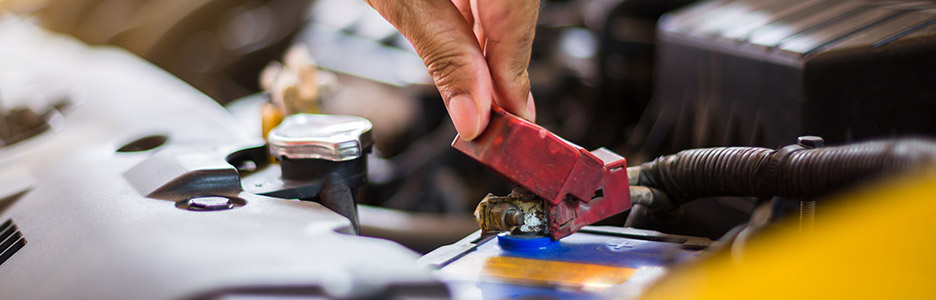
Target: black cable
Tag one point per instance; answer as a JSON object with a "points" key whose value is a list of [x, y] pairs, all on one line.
{"points": [[793, 171]]}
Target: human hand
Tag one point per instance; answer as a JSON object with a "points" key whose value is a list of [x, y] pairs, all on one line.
{"points": [[477, 51]]}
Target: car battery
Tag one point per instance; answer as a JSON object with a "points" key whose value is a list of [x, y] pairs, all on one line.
{"points": [[593, 263]]}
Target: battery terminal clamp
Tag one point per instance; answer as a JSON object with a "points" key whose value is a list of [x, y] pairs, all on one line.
{"points": [[576, 187], [520, 212]]}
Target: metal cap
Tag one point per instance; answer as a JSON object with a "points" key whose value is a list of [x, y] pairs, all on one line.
{"points": [[328, 137]]}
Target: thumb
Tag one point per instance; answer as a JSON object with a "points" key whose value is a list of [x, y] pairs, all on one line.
{"points": [[446, 43]]}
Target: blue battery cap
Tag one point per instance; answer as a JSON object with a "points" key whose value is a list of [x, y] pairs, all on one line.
{"points": [[514, 242]]}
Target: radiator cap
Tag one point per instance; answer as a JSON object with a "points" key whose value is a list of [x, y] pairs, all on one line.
{"points": [[327, 137]]}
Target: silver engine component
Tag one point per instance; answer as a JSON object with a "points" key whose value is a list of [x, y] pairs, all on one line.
{"points": [[101, 223]]}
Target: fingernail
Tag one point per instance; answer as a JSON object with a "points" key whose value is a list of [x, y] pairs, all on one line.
{"points": [[531, 108], [465, 116]]}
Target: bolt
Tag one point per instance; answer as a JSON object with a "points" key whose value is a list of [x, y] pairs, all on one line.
{"points": [[513, 217], [246, 166], [810, 141], [207, 203]]}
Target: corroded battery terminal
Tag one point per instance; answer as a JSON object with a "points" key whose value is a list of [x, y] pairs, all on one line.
{"points": [[518, 212]]}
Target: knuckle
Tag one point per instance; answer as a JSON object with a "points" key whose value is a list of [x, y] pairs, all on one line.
{"points": [[446, 67], [514, 87], [521, 75]]}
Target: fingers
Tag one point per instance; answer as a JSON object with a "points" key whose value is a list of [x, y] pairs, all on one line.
{"points": [[478, 28], [509, 27], [464, 7], [469, 9], [445, 41]]}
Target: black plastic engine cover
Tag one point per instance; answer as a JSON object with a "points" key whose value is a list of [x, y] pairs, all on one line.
{"points": [[762, 72]]}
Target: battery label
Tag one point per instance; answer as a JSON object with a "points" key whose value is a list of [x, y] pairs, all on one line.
{"points": [[555, 273]]}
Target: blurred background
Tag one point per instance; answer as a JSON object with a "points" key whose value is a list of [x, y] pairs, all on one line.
{"points": [[602, 76], [220, 48]]}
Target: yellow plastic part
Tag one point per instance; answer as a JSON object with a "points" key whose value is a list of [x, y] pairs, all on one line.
{"points": [[877, 243], [270, 118]]}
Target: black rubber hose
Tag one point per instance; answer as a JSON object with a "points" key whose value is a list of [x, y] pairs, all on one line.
{"points": [[793, 171]]}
